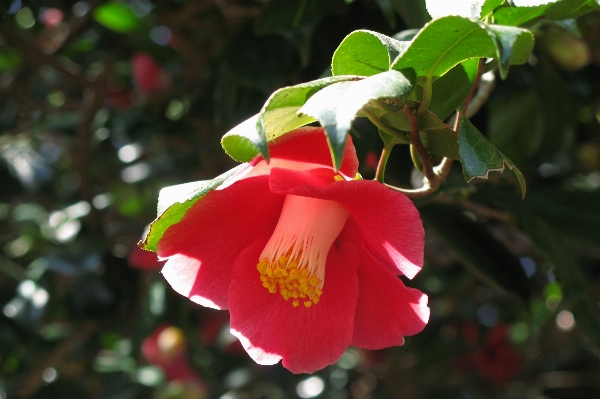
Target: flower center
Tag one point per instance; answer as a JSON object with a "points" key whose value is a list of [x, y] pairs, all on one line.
{"points": [[294, 258]]}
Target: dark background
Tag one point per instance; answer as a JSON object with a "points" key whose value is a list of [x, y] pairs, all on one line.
{"points": [[103, 104]]}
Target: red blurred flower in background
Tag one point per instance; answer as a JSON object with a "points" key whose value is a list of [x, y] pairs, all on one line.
{"points": [[306, 259], [148, 76], [497, 360], [166, 348]]}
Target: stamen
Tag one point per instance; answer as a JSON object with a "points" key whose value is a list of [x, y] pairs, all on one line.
{"points": [[294, 259]]}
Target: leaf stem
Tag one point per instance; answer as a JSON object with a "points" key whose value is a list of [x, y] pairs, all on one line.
{"points": [[397, 134], [383, 158], [427, 89]]}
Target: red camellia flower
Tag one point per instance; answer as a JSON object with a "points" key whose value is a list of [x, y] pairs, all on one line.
{"points": [[306, 259]]}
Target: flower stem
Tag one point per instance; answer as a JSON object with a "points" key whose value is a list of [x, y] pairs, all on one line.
{"points": [[383, 158], [395, 133]]}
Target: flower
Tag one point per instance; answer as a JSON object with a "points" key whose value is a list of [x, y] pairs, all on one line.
{"points": [[305, 259]]}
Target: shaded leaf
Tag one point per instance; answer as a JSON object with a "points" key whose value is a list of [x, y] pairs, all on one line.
{"points": [[478, 156], [277, 117], [506, 38], [437, 137], [117, 17], [175, 201], [450, 90], [483, 256], [295, 20], [413, 12], [448, 41], [365, 53], [336, 106], [516, 126]]}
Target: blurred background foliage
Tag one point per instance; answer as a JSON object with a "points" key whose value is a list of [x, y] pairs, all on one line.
{"points": [[103, 103]]}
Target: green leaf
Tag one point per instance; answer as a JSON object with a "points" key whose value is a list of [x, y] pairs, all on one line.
{"points": [[515, 16], [175, 201], [413, 12], [450, 90], [437, 137], [243, 141], [445, 42], [295, 20], [478, 156], [506, 38], [365, 53], [563, 9], [489, 6], [277, 117], [336, 106], [482, 255], [117, 17]]}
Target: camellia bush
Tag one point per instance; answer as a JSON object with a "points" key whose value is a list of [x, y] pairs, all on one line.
{"points": [[405, 201]]}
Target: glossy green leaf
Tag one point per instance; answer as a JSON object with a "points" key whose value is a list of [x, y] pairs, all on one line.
{"points": [[336, 106], [175, 201], [277, 117], [117, 17], [482, 255], [365, 53], [506, 38], [562, 9], [448, 41], [450, 90], [489, 6], [478, 156], [515, 16]]}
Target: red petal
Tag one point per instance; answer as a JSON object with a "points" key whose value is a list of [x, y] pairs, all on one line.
{"points": [[386, 310], [390, 224], [309, 145], [203, 246], [271, 329]]}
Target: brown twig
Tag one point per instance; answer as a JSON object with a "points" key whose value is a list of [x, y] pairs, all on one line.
{"points": [[34, 381], [415, 140]]}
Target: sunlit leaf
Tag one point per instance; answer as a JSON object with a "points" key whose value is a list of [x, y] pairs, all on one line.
{"points": [[175, 201], [336, 106], [365, 53], [448, 41], [277, 117], [117, 17]]}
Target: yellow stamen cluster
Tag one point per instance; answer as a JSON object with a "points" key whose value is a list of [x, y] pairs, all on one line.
{"points": [[296, 283]]}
